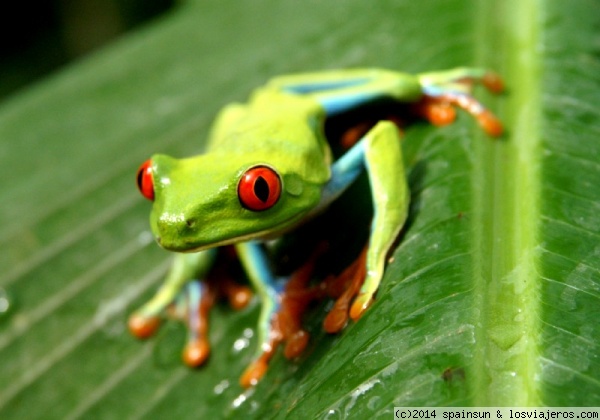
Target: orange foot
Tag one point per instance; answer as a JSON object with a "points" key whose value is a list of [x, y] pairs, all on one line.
{"points": [[345, 288], [218, 285], [439, 109], [192, 307], [286, 324]]}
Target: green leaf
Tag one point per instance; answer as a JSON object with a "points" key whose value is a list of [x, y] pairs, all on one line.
{"points": [[493, 294]]}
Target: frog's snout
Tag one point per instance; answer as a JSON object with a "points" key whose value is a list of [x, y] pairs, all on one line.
{"points": [[176, 232], [164, 243]]}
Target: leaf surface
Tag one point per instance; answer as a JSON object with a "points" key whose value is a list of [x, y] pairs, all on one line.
{"points": [[493, 293]]}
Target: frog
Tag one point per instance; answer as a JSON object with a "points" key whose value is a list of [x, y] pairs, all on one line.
{"points": [[267, 169]]}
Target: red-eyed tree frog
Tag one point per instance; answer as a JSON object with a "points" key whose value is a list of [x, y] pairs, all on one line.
{"points": [[267, 169]]}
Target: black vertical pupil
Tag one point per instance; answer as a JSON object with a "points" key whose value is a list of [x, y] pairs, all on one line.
{"points": [[261, 189], [139, 178]]}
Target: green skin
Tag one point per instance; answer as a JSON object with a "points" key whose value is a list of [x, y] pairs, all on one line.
{"points": [[196, 206], [276, 129]]}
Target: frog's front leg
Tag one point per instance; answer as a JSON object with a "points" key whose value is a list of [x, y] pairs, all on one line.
{"points": [[391, 197], [269, 288], [186, 296], [185, 267], [283, 303], [380, 153]]}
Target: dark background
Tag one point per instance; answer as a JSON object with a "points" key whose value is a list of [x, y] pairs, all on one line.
{"points": [[39, 36]]}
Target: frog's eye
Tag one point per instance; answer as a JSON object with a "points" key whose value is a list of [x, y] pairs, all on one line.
{"points": [[259, 188], [145, 180]]}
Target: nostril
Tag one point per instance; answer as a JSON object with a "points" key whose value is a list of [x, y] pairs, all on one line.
{"points": [[190, 222]]}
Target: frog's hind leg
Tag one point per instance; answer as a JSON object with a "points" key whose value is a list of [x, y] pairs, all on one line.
{"points": [[338, 91], [462, 79], [448, 89]]}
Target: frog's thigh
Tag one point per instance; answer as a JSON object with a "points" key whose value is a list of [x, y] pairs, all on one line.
{"points": [[385, 167], [452, 76], [382, 84], [340, 91], [306, 83]]}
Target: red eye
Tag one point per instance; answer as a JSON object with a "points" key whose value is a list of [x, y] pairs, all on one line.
{"points": [[259, 188], [145, 180]]}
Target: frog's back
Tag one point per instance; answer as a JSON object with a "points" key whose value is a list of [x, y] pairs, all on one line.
{"points": [[274, 127]]}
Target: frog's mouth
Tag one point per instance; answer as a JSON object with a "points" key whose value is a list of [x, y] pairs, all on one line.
{"points": [[189, 248], [180, 244]]}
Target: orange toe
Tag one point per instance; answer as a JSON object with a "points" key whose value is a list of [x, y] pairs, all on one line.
{"points": [[360, 305], [296, 344], [196, 353], [253, 373], [142, 327]]}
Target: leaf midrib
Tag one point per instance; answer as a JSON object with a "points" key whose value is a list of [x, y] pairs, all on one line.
{"points": [[506, 181]]}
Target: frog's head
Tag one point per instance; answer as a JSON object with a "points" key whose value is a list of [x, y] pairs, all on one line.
{"points": [[212, 200]]}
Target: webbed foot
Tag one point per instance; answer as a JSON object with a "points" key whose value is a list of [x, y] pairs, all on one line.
{"points": [[446, 90], [190, 304], [285, 323], [345, 287]]}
